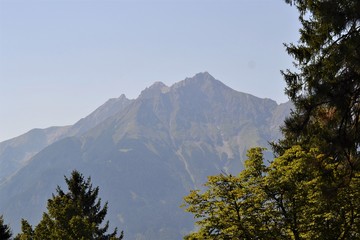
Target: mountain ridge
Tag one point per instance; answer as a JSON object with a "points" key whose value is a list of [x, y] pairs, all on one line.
{"points": [[16, 152], [148, 155]]}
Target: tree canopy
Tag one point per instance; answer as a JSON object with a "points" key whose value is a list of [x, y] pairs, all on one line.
{"points": [[325, 87], [76, 214], [282, 201], [311, 190]]}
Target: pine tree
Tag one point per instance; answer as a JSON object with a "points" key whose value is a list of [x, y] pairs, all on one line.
{"points": [[5, 231], [27, 232], [325, 88], [76, 214]]}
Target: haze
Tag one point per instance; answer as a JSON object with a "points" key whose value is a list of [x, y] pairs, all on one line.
{"points": [[59, 60]]}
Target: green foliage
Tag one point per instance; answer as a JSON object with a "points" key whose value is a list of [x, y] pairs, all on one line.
{"points": [[309, 208], [233, 207], [27, 232], [283, 201], [5, 231], [325, 88], [312, 189], [76, 214]]}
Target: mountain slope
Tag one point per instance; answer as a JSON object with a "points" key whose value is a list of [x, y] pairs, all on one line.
{"points": [[15, 153], [147, 156]]}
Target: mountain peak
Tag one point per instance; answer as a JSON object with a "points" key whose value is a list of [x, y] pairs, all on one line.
{"points": [[203, 80], [155, 88], [201, 77], [122, 97], [153, 149], [204, 76]]}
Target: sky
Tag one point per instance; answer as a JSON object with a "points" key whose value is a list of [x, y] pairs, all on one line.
{"points": [[61, 59]]}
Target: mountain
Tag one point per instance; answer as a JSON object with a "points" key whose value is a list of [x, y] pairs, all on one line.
{"points": [[15, 153], [148, 154]]}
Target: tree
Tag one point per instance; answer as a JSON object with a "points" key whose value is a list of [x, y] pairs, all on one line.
{"points": [[231, 207], [76, 214], [5, 231], [311, 190], [282, 201], [325, 88], [296, 185], [27, 232]]}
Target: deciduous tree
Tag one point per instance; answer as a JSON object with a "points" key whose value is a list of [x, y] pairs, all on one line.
{"points": [[231, 207], [282, 201]]}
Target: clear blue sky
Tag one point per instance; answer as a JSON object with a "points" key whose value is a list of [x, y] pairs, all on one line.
{"points": [[61, 59]]}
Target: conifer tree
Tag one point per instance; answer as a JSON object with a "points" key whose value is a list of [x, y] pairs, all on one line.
{"points": [[76, 214], [27, 232], [325, 87], [5, 231]]}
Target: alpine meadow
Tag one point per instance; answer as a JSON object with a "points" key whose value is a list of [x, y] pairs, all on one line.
{"points": [[197, 160]]}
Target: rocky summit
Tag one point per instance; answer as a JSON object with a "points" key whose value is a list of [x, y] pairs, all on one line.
{"points": [[144, 154]]}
